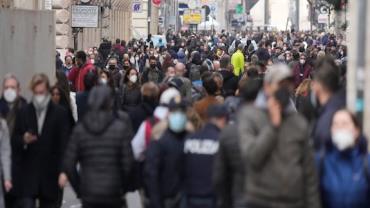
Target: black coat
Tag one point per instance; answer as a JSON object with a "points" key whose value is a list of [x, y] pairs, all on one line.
{"points": [[39, 163], [163, 171], [230, 83], [140, 113], [129, 97], [228, 172], [101, 144]]}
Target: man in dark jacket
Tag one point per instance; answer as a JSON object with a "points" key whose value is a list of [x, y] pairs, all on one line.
{"points": [[229, 171], [230, 81], [40, 140], [11, 104], [153, 73], [330, 97], [199, 151], [164, 167], [150, 97], [101, 145]]}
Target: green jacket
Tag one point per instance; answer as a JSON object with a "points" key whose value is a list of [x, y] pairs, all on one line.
{"points": [[237, 60]]}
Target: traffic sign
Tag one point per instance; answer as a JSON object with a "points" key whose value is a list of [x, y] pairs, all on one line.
{"points": [[137, 6], [324, 9], [239, 9]]}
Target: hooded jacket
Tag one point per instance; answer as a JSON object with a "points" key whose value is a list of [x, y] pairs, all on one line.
{"points": [[101, 145]]}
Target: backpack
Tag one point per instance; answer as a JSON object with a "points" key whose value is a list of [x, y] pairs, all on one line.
{"points": [[194, 73]]}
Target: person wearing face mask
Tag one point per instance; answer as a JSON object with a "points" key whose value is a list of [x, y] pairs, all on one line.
{"points": [[301, 70], [68, 64], [129, 92], [11, 104], [164, 160], [78, 73], [40, 139], [153, 73], [344, 167], [105, 78], [115, 72]]}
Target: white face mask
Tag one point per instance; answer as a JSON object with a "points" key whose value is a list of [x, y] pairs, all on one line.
{"points": [[302, 61], [40, 101], [133, 78], [10, 95], [104, 81], [343, 139]]}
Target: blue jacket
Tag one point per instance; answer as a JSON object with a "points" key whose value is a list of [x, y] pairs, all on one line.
{"points": [[200, 149], [345, 178]]}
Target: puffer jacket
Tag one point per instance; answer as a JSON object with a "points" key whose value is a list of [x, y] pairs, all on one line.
{"points": [[279, 161], [101, 144]]}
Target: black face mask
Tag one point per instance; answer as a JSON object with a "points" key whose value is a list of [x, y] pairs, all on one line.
{"points": [[153, 66], [126, 67], [112, 67]]}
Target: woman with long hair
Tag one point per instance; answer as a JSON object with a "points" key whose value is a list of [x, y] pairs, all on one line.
{"points": [[129, 93]]}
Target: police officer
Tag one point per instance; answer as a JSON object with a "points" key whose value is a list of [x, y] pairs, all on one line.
{"points": [[199, 151]]}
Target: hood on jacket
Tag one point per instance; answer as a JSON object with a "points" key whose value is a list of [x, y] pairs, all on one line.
{"points": [[99, 115]]}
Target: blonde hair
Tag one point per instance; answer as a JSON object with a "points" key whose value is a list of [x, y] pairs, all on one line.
{"points": [[303, 88]]}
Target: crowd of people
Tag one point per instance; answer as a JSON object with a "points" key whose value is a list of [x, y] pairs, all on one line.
{"points": [[245, 120]]}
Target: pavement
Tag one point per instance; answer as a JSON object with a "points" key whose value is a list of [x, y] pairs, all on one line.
{"points": [[70, 200]]}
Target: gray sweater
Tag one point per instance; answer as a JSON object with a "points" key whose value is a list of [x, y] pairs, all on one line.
{"points": [[280, 169], [5, 150]]}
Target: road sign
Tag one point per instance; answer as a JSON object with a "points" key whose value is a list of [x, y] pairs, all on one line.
{"points": [[85, 16], [137, 6], [323, 19], [192, 16], [156, 3], [239, 9]]}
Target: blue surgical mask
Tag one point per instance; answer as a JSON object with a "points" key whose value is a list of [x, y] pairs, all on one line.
{"points": [[177, 121]]}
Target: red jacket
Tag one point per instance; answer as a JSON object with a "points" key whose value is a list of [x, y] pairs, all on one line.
{"points": [[77, 76], [301, 74]]}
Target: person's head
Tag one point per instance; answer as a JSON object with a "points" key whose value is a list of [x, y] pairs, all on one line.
{"points": [[126, 64], [123, 43], [150, 92], [153, 62], [249, 89], [80, 58], [11, 88], [280, 97], [171, 72], [302, 59], [218, 115], [177, 117], [277, 76], [225, 61], [104, 77], [345, 130], [68, 60], [112, 63], [326, 80], [180, 69], [100, 99], [118, 41], [241, 47], [131, 76], [56, 94], [90, 80], [40, 88], [210, 84]]}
